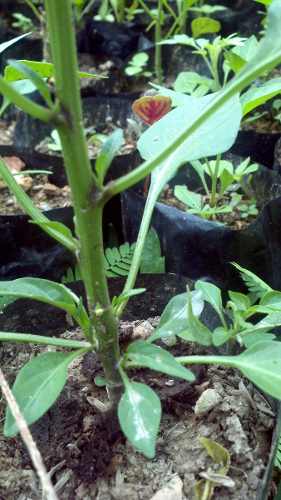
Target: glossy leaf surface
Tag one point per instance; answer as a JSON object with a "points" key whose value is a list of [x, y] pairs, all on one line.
{"points": [[139, 413], [156, 358], [37, 387], [174, 317], [261, 364]]}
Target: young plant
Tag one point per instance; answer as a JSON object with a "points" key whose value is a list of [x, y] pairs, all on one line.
{"points": [[223, 194], [158, 17], [230, 54], [235, 328], [137, 65], [41, 380]]}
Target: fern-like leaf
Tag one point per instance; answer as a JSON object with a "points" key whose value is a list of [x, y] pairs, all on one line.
{"points": [[118, 260], [254, 283]]}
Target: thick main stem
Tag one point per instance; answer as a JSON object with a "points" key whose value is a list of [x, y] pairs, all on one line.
{"points": [[88, 210]]}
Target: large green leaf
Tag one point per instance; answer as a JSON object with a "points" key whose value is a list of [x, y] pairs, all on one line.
{"points": [[37, 387], [261, 364], [154, 357], [174, 319], [216, 135], [43, 290], [139, 413], [256, 96]]}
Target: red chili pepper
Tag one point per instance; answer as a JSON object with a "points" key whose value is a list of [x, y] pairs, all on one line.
{"points": [[151, 108]]}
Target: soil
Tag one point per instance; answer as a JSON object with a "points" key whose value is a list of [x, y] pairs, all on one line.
{"points": [[86, 462]]}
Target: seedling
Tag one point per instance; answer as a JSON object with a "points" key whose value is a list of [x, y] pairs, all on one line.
{"points": [[223, 195], [137, 65], [184, 134]]}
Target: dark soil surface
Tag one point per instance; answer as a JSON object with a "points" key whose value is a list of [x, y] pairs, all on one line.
{"points": [[86, 462]]}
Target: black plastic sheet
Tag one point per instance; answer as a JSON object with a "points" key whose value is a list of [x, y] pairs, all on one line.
{"points": [[198, 248]]}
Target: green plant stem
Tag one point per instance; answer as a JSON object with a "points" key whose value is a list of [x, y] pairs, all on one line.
{"points": [[34, 10], [143, 231], [207, 360], [214, 177], [158, 47], [229, 361], [214, 70], [88, 207], [121, 11], [146, 9], [183, 17], [35, 110]]}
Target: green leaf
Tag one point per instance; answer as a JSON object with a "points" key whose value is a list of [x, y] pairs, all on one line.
{"points": [[156, 358], [100, 381], [202, 25], [189, 198], [256, 96], [151, 260], [139, 413], [226, 179], [241, 301], [218, 453], [109, 150], [196, 331], [211, 294], [192, 83], [118, 260], [123, 297], [261, 364], [44, 69], [35, 78], [174, 317], [37, 386], [43, 290], [6, 45], [180, 39], [251, 338], [22, 87], [220, 336], [253, 282], [272, 301], [241, 54], [219, 133]]}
